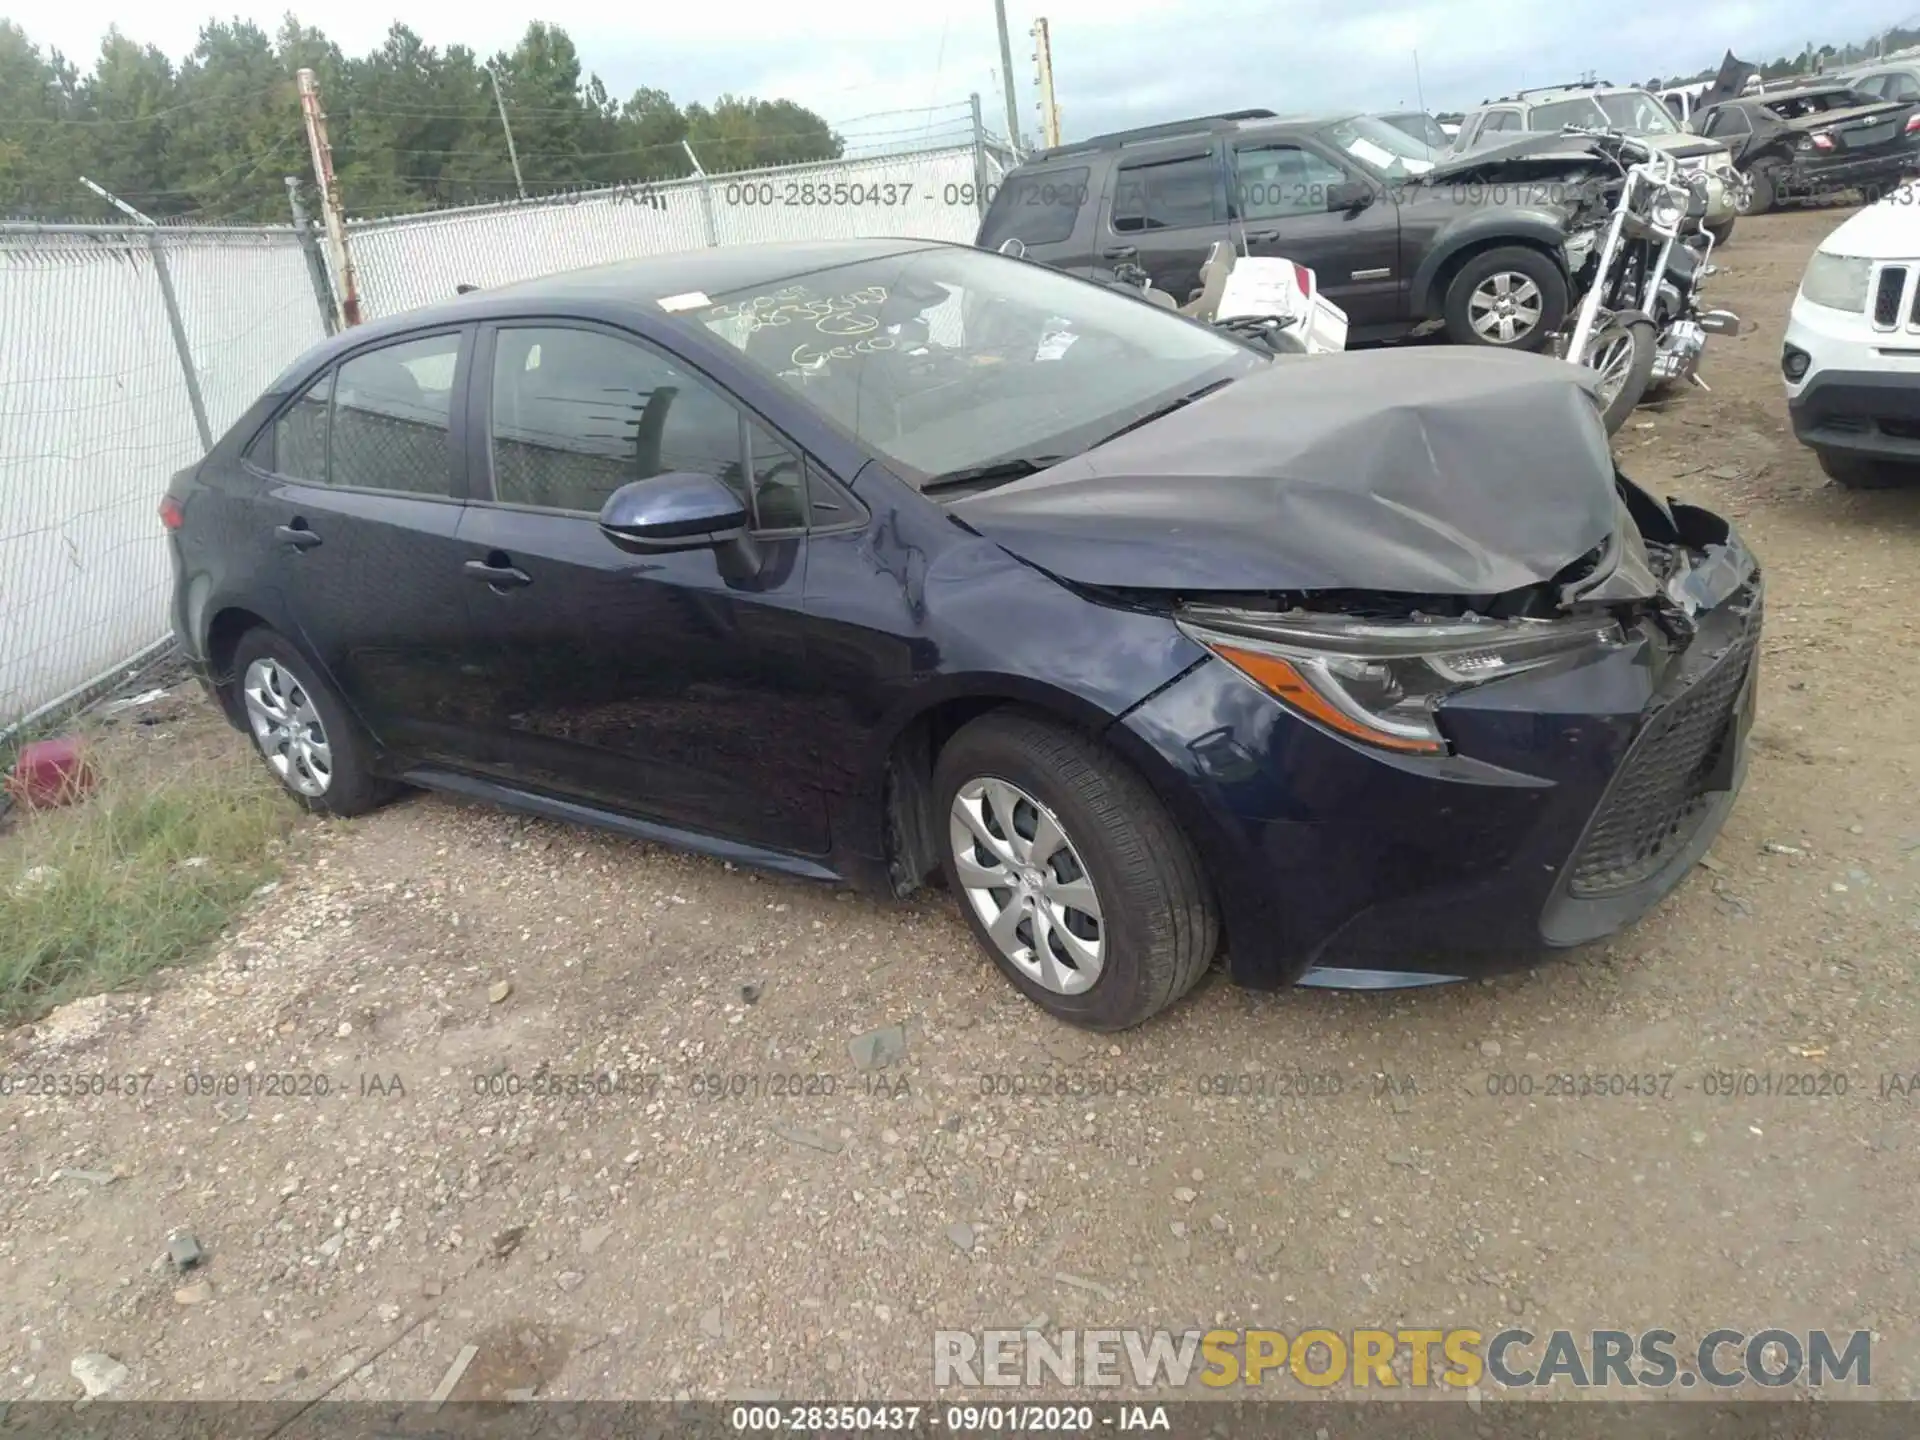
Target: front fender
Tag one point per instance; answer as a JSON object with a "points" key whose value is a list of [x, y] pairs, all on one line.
{"points": [[1538, 229]]}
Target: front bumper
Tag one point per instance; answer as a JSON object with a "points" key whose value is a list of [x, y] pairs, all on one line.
{"points": [[1576, 799], [1870, 413]]}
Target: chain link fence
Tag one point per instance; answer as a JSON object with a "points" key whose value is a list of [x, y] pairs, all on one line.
{"points": [[411, 260], [125, 350], [122, 350]]}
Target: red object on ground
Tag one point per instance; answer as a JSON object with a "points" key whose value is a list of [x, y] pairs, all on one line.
{"points": [[50, 772]]}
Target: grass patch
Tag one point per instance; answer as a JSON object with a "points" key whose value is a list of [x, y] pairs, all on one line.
{"points": [[144, 872]]}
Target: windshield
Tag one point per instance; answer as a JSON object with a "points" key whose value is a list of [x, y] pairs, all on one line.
{"points": [[1385, 149], [1634, 112], [950, 359]]}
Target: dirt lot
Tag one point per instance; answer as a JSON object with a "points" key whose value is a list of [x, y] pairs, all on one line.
{"points": [[424, 964]]}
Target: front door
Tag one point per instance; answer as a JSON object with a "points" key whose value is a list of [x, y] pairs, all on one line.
{"points": [[1282, 191], [362, 498], [664, 686]]}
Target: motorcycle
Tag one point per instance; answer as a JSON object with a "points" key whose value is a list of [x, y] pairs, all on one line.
{"points": [[1639, 324]]}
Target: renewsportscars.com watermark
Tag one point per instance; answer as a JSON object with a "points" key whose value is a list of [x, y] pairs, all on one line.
{"points": [[1403, 1358]]}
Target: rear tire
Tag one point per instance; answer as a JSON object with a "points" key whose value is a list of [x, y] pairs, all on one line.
{"points": [[302, 729], [1857, 472], [1061, 819], [1529, 279]]}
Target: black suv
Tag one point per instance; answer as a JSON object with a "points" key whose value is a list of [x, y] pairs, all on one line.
{"points": [[1342, 195]]}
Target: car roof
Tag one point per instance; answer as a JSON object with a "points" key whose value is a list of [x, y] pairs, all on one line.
{"points": [[625, 285], [1574, 92], [1238, 122]]}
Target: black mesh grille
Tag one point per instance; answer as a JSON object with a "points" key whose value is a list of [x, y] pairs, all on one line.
{"points": [[1659, 797], [1886, 295]]}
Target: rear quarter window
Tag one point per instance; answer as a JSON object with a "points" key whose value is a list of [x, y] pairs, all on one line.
{"points": [[1038, 208]]}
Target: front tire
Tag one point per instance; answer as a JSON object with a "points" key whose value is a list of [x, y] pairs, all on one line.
{"points": [[1510, 297], [1072, 875], [309, 740]]}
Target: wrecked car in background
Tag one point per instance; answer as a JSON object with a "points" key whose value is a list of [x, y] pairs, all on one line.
{"points": [[871, 560], [1811, 142]]}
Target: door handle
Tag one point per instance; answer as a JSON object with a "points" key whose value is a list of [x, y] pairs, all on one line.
{"points": [[1263, 236], [500, 577], [1121, 252], [297, 535]]}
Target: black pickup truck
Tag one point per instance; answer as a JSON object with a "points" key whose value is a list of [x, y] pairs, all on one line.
{"points": [[1342, 195]]}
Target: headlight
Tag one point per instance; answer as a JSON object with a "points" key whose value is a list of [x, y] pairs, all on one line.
{"points": [[1837, 281], [1374, 682], [1668, 210]]}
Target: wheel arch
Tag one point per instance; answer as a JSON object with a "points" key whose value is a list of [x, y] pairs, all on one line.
{"points": [[224, 632], [1450, 255], [901, 777]]}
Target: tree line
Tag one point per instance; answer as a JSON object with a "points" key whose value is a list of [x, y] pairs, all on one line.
{"points": [[412, 126], [1812, 59]]}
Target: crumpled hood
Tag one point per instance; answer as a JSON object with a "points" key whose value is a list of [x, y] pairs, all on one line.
{"points": [[1427, 470]]}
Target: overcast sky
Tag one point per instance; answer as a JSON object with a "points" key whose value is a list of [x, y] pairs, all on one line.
{"points": [[1115, 61]]}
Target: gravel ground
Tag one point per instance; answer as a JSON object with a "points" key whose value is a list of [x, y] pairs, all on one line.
{"points": [[803, 1232]]}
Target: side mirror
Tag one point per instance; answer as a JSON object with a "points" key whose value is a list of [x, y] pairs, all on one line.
{"points": [[1349, 195], [677, 511]]}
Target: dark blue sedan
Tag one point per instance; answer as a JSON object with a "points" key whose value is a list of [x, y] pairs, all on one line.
{"points": [[876, 561]]}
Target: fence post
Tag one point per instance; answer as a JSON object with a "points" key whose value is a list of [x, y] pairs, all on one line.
{"points": [[171, 304], [979, 155], [316, 262], [706, 194]]}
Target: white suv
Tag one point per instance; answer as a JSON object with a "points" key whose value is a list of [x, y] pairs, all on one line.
{"points": [[1852, 354]]}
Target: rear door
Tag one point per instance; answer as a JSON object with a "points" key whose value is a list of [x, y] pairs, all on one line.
{"points": [[661, 685], [1166, 209], [365, 482], [1732, 127], [1280, 200]]}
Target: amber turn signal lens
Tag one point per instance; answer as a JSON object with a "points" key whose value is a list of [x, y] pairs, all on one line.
{"points": [[1280, 679]]}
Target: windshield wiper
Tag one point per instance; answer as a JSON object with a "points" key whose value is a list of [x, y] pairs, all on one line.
{"points": [[1014, 468], [1164, 410]]}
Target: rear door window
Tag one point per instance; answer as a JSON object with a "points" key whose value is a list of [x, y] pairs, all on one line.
{"points": [[1037, 208], [392, 418], [1167, 194]]}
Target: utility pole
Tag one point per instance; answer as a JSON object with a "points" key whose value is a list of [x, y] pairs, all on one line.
{"points": [[1043, 59], [348, 299], [1006, 77], [493, 74]]}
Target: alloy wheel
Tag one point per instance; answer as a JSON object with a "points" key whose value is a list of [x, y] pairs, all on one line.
{"points": [[1611, 358], [1027, 883], [1504, 307], [287, 727]]}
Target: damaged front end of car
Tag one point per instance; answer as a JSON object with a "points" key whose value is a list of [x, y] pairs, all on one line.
{"points": [[1467, 692], [1376, 667], [1546, 764]]}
